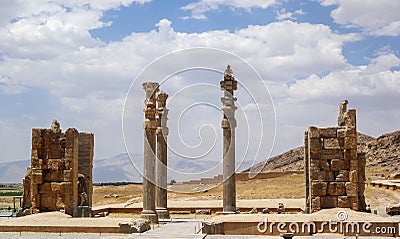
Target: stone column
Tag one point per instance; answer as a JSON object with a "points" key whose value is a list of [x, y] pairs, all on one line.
{"points": [[150, 126], [229, 85], [307, 172], [161, 165]]}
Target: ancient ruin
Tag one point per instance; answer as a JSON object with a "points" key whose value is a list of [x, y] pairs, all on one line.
{"points": [[150, 127], [60, 175], [161, 165], [334, 171], [229, 85]]}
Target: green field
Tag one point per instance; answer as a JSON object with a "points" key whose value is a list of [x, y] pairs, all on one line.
{"points": [[11, 194]]}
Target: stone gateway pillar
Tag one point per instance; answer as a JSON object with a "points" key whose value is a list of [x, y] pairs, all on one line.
{"points": [[150, 126], [161, 165], [229, 85]]}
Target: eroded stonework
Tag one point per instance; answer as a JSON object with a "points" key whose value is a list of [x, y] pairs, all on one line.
{"points": [[334, 171], [60, 175]]}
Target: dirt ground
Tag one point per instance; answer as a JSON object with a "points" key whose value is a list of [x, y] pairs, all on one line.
{"points": [[289, 186]]}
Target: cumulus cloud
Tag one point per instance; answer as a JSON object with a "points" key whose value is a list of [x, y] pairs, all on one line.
{"points": [[91, 80], [51, 48], [375, 79], [283, 14], [379, 18], [199, 8]]}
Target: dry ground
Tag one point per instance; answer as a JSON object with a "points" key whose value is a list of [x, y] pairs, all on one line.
{"points": [[289, 186]]}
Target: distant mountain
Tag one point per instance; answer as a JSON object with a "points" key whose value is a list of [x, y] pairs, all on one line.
{"points": [[13, 172], [119, 168], [383, 151]]}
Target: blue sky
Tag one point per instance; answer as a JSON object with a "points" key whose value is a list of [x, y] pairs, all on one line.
{"points": [[76, 60]]}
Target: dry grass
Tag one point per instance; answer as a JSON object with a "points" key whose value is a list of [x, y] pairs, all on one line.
{"points": [[289, 186], [124, 192]]}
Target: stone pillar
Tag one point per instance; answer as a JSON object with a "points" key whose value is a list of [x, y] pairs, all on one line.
{"points": [[161, 165], [150, 126], [229, 85], [307, 173]]}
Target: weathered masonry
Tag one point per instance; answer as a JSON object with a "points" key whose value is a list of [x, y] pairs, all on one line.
{"points": [[60, 175], [334, 171]]}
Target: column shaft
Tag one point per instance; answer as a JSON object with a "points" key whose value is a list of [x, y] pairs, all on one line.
{"points": [[149, 150], [229, 185]]}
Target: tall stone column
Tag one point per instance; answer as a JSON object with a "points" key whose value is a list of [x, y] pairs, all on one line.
{"points": [[229, 85], [150, 126], [161, 165]]}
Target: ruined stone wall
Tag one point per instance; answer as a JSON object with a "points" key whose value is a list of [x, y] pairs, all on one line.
{"points": [[85, 166], [52, 180], [334, 171]]}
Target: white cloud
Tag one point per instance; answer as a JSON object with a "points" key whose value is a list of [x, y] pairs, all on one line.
{"points": [[380, 18], [376, 79], [200, 7], [282, 14], [91, 80], [51, 48]]}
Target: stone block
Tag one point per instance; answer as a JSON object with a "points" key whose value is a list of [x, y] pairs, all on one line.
{"points": [[350, 118], [66, 187], [329, 132], [317, 175], [60, 203], [37, 177], [336, 189], [316, 204], [45, 188], [354, 176], [49, 202], [67, 164], [346, 164], [350, 154], [354, 164], [341, 131], [34, 189], [324, 165], [315, 144], [67, 175], [350, 142], [331, 143], [315, 165], [344, 202], [332, 154], [352, 189], [328, 202], [313, 132], [343, 176], [54, 176], [319, 188], [55, 187], [337, 164], [350, 132], [354, 203], [329, 176], [35, 201], [321, 176]]}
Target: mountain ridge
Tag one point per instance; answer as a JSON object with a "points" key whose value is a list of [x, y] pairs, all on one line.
{"points": [[382, 152]]}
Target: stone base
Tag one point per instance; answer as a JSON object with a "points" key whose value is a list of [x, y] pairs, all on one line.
{"points": [[227, 213], [149, 215], [162, 213]]}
